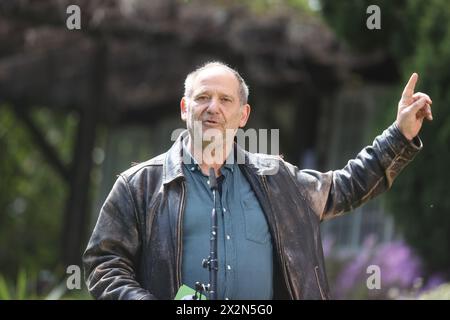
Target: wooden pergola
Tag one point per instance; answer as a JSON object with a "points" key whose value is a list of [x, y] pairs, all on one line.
{"points": [[127, 66]]}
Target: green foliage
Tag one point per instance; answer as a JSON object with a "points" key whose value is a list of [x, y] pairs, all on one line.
{"points": [[20, 291], [440, 293], [32, 196], [82, 294], [417, 34], [261, 6], [4, 289], [423, 193], [348, 19]]}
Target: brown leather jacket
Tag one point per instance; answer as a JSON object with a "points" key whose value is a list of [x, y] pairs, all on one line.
{"points": [[135, 251]]}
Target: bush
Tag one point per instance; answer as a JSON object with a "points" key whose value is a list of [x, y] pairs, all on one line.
{"points": [[402, 273]]}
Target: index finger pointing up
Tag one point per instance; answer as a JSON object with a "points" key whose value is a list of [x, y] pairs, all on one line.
{"points": [[409, 88]]}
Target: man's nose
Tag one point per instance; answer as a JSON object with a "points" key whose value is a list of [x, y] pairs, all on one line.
{"points": [[214, 105]]}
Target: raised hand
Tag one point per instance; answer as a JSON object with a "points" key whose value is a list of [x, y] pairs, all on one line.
{"points": [[412, 109]]}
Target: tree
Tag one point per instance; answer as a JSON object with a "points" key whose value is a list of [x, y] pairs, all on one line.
{"points": [[32, 195], [416, 34]]}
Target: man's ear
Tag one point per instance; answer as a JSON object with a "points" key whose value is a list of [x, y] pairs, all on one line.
{"points": [[183, 108], [245, 115]]}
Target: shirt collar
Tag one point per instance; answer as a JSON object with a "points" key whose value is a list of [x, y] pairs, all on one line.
{"points": [[191, 163]]}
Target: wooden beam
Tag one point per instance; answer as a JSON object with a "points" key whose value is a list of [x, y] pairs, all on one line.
{"points": [[49, 153], [77, 205]]}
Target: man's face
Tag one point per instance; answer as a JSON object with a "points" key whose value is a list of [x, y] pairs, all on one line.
{"points": [[214, 103]]}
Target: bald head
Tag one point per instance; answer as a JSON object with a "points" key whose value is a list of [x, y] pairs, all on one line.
{"points": [[243, 91]]}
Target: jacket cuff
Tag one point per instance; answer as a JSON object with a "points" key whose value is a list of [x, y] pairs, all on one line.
{"points": [[401, 144], [394, 150]]}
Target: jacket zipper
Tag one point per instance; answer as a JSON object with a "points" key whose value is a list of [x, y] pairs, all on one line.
{"points": [[283, 262], [318, 282], [180, 235]]}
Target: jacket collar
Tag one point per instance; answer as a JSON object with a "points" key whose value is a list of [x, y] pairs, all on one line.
{"points": [[261, 164], [173, 161]]}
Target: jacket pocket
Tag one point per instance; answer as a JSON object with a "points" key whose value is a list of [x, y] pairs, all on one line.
{"points": [[316, 272]]}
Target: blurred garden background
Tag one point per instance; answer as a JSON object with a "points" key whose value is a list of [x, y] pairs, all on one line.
{"points": [[78, 107]]}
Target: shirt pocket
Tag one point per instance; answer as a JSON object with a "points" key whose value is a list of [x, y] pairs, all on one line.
{"points": [[256, 228]]}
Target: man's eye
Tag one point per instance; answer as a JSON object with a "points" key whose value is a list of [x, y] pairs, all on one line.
{"points": [[226, 99], [201, 98]]}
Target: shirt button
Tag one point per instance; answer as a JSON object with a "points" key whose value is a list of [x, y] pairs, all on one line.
{"points": [[227, 298], [228, 267], [228, 237], [192, 168], [224, 210], [207, 181]]}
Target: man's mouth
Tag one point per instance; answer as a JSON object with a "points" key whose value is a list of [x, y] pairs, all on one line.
{"points": [[210, 122]]}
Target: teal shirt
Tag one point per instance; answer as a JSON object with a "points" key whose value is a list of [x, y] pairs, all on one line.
{"points": [[244, 241]]}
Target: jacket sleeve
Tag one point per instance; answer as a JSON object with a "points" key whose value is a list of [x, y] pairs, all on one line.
{"points": [[369, 174], [113, 250]]}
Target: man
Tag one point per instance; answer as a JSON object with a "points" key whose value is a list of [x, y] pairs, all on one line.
{"points": [[153, 229]]}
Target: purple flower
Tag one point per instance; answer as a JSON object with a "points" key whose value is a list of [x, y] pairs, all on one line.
{"points": [[353, 272], [401, 269], [398, 264], [434, 281]]}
